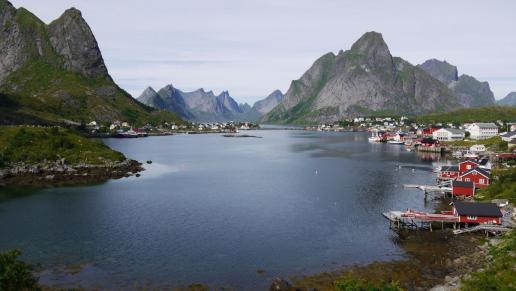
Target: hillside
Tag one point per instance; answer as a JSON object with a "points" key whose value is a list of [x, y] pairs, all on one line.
{"points": [[485, 114], [362, 80], [55, 73]]}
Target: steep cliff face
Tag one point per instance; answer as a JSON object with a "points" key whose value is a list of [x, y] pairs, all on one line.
{"points": [[470, 91], [364, 79], [73, 40]]}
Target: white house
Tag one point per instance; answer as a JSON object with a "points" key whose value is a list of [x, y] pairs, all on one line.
{"points": [[509, 136], [477, 148], [482, 130], [448, 134]]}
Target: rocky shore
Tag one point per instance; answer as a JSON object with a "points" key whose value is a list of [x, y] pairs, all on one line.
{"points": [[435, 260], [59, 173]]}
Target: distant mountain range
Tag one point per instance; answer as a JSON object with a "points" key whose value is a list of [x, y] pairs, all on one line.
{"points": [[203, 106], [367, 79], [509, 100], [55, 73]]}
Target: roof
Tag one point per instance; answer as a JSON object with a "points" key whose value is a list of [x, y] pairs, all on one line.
{"points": [[479, 170], [483, 162], [450, 169], [456, 183], [471, 161], [485, 125], [454, 130], [477, 209], [509, 134]]}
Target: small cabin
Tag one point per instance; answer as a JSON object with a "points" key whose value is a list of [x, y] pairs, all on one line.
{"points": [[478, 213], [465, 189], [451, 172], [480, 177], [467, 165]]}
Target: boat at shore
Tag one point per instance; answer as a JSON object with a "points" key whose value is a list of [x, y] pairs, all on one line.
{"points": [[398, 142]]}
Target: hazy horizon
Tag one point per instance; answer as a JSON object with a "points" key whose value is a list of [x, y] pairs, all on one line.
{"points": [[251, 49]]}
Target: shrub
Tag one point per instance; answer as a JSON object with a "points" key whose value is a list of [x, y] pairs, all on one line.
{"points": [[15, 274], [361, 285]]}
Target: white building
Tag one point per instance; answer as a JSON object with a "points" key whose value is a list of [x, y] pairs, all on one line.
{"points": [[448, 134], [509, 136], [482, 130], [477, 148]]}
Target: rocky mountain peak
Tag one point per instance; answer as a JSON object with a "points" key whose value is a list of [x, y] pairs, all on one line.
{"points": [[73, 39], [371, 44], [509, 100], [441, 70]]}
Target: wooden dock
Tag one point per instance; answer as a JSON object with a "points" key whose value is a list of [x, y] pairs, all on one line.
{"points": [[429, 188], [412, 219]]}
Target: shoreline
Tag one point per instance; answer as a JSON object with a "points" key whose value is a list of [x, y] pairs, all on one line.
{"points": [[433, 259], [60, 174]]}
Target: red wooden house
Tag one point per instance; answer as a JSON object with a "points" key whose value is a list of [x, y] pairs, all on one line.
{"points": [[481, 213], [465, 189], [449, 173], [430, 130], [467, 165], [480, 177]]}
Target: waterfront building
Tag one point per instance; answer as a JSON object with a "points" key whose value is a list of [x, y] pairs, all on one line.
{"points": [[448, 134], [482, 130], [478, 213]]}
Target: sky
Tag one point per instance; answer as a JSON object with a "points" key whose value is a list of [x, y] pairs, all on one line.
{"points": [[254, 47]]}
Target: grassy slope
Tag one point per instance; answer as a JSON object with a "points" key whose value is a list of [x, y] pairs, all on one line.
{"points": [[484, 114], [500, 273], [36, 144], [494, 143]]}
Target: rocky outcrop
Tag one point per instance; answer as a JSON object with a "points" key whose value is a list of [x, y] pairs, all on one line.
{"points": [[364, 79], [73, 40], [469, 91], [59, 172], [509, 100]]}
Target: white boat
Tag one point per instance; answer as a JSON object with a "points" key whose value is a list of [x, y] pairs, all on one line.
{"points": [[400, 142], [375, 137], [470, 155]]}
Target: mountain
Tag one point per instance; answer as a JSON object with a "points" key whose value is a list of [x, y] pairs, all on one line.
{"points": [[366, 79], [509, 100], [197, 105], [471, 92], [54, 73], [266, 105]]}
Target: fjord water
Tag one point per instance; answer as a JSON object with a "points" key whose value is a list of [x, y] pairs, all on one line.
{"points": [[216, 210]]}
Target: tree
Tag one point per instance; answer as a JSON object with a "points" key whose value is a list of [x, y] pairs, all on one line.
{"points": [[15, 274]]}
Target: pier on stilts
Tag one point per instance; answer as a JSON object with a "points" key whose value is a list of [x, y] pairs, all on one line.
{"points": [[417, 220]]}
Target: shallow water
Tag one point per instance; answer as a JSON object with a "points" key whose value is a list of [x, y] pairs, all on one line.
{"points": [[215, 210]]}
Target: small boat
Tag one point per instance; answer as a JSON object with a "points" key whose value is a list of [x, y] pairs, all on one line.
{"points": [[470, 155], [400, 142]]}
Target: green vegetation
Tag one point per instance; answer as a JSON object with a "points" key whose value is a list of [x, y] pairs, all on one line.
{"points": [[484, 114], [16, 275], [45, 93], [500, 273], [494, 143], [503, 186], [37, 144], [362, 285]]}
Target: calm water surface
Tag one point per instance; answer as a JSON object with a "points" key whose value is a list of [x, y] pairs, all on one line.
{"points": [[215, 210]]}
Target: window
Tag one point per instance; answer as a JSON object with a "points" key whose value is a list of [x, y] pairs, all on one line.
{"points": [[472, 217], [468, 180], [481, 181], [468, 167]]}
